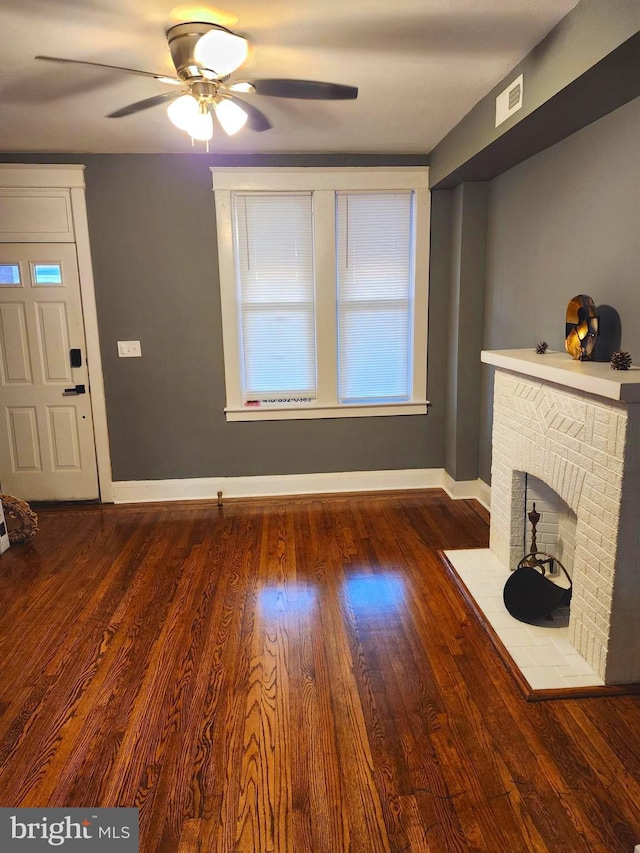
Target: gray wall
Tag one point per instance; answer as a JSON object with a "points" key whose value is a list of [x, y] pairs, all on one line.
{"points": [[153, 242], [466, 319], [565, 222], [152, 221]]}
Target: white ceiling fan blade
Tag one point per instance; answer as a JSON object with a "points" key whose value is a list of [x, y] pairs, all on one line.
{"points": [[243, 86], [161, 77], [144, 105]]}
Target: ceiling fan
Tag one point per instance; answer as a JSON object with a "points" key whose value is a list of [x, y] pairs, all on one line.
{"points": [[205, 55]]}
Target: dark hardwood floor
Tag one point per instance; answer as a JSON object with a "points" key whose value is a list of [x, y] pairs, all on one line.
{"points": [[291, 675]]}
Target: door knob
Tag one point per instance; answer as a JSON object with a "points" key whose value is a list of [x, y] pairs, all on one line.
{"points": [[79, 389]]}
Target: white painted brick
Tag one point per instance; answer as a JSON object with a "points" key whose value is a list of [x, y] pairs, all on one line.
{"points": [[590, 506], [610, 503], [600, 443], [609, 547], [591, 604], [590, 646], [577, 431], [610, 518], [600, 659], [601, 429], [588, 551], [611, 477], [589, 625], [604, 596], [578, 445], [602, 621], [600, 526]]}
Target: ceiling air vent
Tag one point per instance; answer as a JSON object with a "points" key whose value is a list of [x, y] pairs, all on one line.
{"points": [[509, 101]]}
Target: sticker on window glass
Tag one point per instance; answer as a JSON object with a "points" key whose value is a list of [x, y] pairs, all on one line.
{"points": [[47, 274], [9, 275]]}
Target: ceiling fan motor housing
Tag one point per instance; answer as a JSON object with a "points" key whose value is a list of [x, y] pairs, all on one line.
{"points": [[205, 90]]}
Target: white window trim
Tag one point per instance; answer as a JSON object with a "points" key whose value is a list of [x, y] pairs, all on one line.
{"points": [[323, 183]]}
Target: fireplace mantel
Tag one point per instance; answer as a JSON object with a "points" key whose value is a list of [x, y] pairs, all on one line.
{"points": [[591, 377]]}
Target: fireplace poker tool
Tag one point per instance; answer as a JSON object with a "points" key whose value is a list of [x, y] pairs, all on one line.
{"points": [[532, 558]]}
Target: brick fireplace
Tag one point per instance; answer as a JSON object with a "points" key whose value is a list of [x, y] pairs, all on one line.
{"points": [[575, 426]]}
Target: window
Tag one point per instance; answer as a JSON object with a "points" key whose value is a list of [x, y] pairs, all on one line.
{"points": [[275, 295], [324, 280], [374, 232], [46, 274], [9, 275]]}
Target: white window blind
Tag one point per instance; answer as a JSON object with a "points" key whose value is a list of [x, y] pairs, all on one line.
{"points": [[375, 295], [276, 296]]}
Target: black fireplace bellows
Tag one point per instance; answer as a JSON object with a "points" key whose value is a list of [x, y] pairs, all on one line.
{"points": [[529, 595]]}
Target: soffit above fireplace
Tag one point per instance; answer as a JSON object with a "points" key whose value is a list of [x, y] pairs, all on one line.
{"points": [[558, 367]]}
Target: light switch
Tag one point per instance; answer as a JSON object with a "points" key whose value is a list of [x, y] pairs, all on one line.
{"points": [[129, 349]]}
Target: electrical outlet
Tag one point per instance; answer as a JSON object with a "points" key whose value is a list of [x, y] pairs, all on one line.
{"points": [[129, 349]]}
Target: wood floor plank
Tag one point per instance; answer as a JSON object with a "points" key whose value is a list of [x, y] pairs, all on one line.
{"points": [[317, 793], [361, 800], [291, 676]]}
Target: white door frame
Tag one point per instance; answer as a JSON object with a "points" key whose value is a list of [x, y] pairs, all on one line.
{"points": [[71, 177]]}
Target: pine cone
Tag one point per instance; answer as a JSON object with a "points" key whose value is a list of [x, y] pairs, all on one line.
{"points": [[621, 361], [542, 347]]}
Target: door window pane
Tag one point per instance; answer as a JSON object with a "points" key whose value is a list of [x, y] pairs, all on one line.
{"points": [[46, 274], [9, 275]]}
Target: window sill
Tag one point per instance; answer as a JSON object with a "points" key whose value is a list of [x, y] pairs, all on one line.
{"points": [[293, 413]]}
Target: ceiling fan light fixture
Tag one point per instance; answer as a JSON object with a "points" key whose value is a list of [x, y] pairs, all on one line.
{"points": [[221, 51], [201, 127], [232, 117], [183, 111]]}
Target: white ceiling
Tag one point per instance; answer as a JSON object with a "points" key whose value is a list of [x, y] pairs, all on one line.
{"points": [[420, 66]]}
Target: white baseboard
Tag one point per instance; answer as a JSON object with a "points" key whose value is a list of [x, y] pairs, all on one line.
{"points": [[276, 485], [465, 489], [207, 488]]}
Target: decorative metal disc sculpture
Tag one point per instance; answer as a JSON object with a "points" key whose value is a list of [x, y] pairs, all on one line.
{"points": [[582, 327]]}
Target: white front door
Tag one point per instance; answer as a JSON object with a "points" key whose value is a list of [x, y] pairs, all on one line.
{"points": [[47, 445]]}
